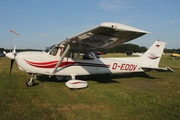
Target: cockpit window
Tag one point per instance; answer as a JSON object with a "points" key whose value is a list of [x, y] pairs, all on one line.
{"points": [[48, 48], [72, 55], [80, 55], [97, 56], [86, 56], [52, 50]]}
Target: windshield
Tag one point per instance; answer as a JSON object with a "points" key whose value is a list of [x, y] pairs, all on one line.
{"points": [[48, 48]]}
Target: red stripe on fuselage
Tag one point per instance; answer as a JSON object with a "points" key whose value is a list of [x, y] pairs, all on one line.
{"points": [[52, 64]]}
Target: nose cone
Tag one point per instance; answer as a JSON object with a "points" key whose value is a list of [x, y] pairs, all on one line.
{"points": [[10, 55]]}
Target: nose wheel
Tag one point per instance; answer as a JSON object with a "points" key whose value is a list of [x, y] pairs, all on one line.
{"points": [[30, 82]]}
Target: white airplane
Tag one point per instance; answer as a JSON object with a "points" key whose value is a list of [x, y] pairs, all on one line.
{"points": [[74, 57]]}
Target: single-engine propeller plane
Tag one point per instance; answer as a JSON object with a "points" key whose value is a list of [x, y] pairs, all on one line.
{"points": [[175, 55], [74, 56]]}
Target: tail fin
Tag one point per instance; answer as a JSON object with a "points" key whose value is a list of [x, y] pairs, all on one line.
{"points": [[152, 56]]}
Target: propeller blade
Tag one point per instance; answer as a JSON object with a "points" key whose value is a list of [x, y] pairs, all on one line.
{"points": [[12, 62], [14, 50], [12, 56]]}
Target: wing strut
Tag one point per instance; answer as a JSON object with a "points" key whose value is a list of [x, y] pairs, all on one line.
{"points": [[61, 58]]}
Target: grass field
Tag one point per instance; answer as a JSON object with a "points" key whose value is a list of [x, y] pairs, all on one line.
{"points": [[146, 96]]}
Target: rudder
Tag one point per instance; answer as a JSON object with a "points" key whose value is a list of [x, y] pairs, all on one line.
{"points": [[152, 56]]}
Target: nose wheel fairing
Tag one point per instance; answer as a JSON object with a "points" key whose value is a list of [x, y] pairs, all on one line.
{"points": [[76, 84]]}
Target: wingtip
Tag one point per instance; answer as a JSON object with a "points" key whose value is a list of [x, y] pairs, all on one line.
{"points": [[122, 27]]}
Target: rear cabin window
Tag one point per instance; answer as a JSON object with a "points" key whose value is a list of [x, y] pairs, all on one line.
{"points": [[81, 56], [86, 56]]}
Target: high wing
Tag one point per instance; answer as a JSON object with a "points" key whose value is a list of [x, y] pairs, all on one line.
{"points": [[105, 35]]}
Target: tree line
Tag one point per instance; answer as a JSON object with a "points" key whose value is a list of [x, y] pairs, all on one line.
{"points": [[123, 48], [18, 50]]}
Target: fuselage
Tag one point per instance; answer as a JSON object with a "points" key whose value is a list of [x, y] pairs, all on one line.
{"points": [[65, 62], [45, 63], [175, 55]]}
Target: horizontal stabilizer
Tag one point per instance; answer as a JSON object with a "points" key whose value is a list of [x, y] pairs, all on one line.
{"points": [[166, 69]]}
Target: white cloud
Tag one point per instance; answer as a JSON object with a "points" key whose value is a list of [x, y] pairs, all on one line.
{"points": [[172, 22], [114, 4]]}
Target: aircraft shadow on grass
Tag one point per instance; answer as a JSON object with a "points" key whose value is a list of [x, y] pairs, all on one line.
{"points": [[97, 78]]}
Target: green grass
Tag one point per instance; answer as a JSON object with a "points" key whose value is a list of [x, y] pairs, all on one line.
{"points": [[151, 96]]}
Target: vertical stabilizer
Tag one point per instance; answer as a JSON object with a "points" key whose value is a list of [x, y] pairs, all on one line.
{"points": [[152, 56]]}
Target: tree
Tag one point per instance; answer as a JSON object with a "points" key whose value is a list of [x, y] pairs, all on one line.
{"points": [[2, 49], [123, 48], [143, 49]]}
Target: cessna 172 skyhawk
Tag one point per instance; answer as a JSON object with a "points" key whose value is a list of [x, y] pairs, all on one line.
{"points": [[74, 56]]}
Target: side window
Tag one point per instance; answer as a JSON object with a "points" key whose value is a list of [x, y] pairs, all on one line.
{"points": [[86, 56], [73, 55], [54, 51], [81, 56]]}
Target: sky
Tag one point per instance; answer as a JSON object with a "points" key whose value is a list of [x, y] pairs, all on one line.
{"points": [[41, 23]]}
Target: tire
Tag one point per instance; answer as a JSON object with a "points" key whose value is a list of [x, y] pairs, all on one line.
{"points": [[28, 83]]}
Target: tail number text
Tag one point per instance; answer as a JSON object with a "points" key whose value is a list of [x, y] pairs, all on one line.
{"points": [[128, 67]]}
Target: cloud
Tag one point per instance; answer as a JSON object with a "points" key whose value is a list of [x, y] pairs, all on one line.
{"points": [[114, 4], [172, 22]]}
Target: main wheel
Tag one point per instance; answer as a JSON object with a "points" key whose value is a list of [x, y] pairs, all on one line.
{"points": [[30, 83]]}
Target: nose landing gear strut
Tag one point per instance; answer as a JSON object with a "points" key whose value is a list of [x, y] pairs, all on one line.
{"points": [[30, 82]]}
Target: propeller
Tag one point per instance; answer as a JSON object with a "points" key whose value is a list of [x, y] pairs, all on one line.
{"points": [[12, 62], [12, 56]]}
